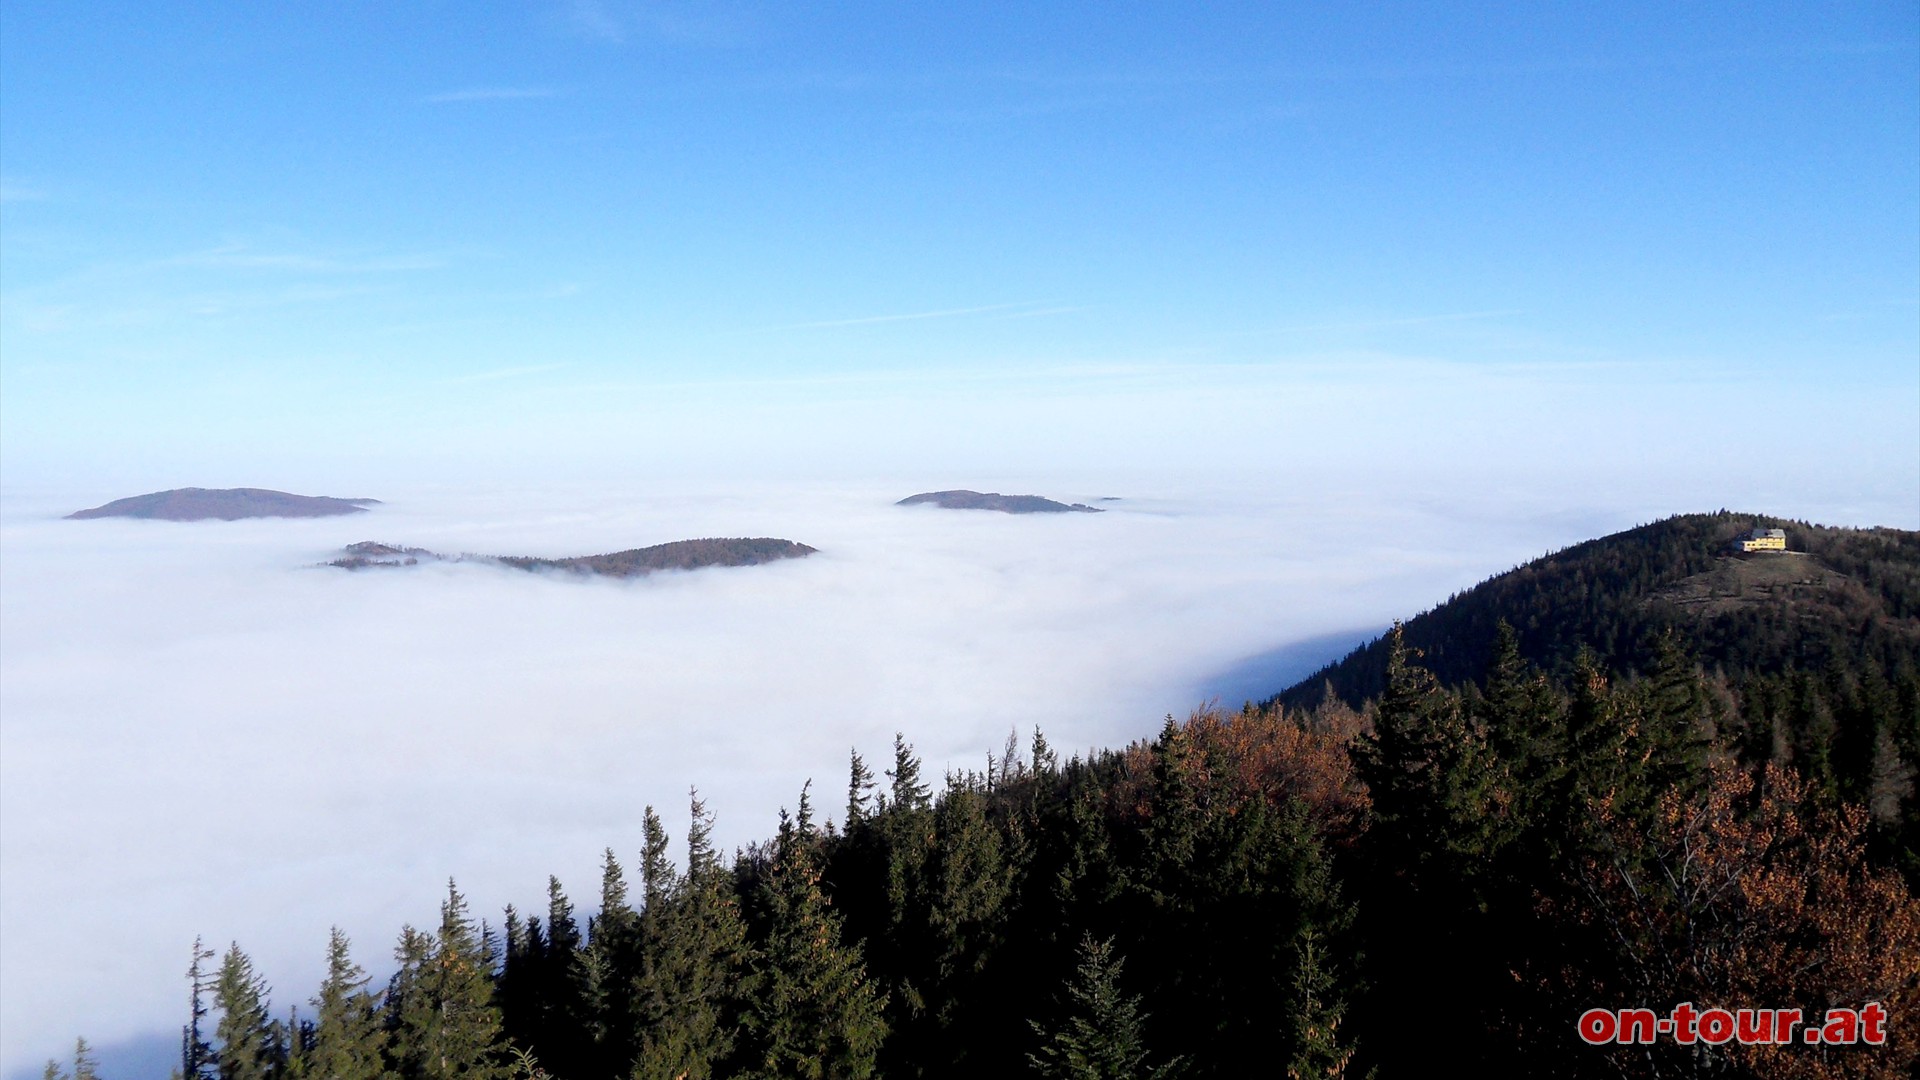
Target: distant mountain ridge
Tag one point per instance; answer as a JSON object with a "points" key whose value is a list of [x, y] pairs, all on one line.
{"points": [[634, 562], [1837, 595], [224, 504], [962, 499]]}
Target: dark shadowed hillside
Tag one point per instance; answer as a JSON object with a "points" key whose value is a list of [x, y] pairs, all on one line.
{"points": [[370, 553], [993, 500], [677, 555], [1836, 596], [224, 504]]}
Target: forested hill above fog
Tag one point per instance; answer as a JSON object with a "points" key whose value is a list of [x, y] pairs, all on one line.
{"points": [[224, 504], [993, 500], [635, 562], [1836, 599]]}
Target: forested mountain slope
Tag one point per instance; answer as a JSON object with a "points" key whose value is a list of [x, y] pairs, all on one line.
{"points": [[1848, 597]]}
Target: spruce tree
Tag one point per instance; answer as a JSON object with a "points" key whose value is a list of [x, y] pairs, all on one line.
{"points": [[968, 886], [249, 1042], [404, 1008], [1810, 727], [1102, 1036], [970, 882], [1430, 775], [610, 963], [907, 791], [1680, 719], [1436, 832], [656, 865], [859, 791], [297, 1038], [695, 965], [1175, 814], [1090, 873], [1617, 756], [815, 1016], [906, 828], [560, 1027], [1521, 715], [85, 1065], [514, 991], [1044, 762], [196, 1055], [1319, 1053], [449, 1026], [348, 1038]]}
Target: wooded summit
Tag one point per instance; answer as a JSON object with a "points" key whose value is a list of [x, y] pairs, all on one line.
{"points": [[634, 562], [962, 499], [224, 504]]}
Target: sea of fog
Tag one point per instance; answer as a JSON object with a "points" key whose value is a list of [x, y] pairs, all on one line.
{"points": [[202, 732]]}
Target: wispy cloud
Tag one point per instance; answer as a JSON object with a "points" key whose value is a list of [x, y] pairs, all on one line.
{"points": [[219, 305], [1874, 311], [1334, 72], [491, 93], [1038, 312], [241, 257], [13, 191], [232, 278], [590, 18], [1414, 320], [699, 23], [506, 373], [911, 316]]}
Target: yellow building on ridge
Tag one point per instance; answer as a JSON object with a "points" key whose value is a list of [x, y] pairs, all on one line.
{"points": [[1762, 540]]}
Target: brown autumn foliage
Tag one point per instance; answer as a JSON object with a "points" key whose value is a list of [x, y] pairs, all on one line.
{"points": [[1272, 752], [1745, 898]]}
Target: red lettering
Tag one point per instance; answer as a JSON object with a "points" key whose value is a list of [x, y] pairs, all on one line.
{"points": [[1873, 1024], [1842, 1026], [1683, 1020], [1756, 1026], [1597, 1026], [1637, 1025], [1716, 1026]]}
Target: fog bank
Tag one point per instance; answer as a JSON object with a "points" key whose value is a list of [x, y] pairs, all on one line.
{"points": [[205, 733]]}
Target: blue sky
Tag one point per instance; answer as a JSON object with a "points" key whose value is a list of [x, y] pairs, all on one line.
{"points": [[238, 229]]}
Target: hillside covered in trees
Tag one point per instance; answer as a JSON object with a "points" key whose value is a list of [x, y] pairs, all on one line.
{"points": [[634, 562], [1454, 866], [993, 500], [223, 504], [1817, 646], [1842, 597]]}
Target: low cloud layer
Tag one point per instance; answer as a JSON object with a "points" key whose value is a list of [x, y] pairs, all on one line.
{"points": [[206, 734]]}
